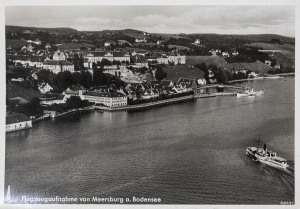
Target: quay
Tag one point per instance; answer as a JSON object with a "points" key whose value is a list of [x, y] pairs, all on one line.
{"points": [[147, 105]]}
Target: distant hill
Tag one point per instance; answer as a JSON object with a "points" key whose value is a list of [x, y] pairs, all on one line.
{"points": [[57, 31], [165, 36]]}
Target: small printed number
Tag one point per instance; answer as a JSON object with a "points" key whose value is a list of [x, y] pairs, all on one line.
{"points": [[287, 203]]}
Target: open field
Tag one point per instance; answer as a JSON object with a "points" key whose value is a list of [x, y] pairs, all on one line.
{"points": [[74, 46], [287, 50], [170, 46], [194, 60], [15, 43], [182, 71]]}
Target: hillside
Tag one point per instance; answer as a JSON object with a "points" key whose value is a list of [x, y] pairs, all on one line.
{"points": [[257, 66], [182, 71], [287, 50], [16, 43], [13, 90], [194, 60], [75, 46], [58, 31]]}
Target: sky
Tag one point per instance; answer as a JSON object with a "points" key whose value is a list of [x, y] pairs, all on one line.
{"points": [[233, 19]]}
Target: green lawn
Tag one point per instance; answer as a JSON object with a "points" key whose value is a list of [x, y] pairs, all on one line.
{"points": [[194, 60], [287, 50], [73, 46], [182, 71]]}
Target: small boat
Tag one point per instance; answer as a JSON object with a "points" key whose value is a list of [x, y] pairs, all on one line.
{"points": [[266, 156], [252, 93], [242, 94], [260, 92]]}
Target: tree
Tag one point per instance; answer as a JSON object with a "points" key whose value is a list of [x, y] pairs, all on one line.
{"points": [[221, 76], [105, 62], [98, 77], [77, 77], [64, 80], [74, 102], [86, 79], [160, 74], [76, 62], [204, 68], [81, 62], [53, 79], [43, 76]]}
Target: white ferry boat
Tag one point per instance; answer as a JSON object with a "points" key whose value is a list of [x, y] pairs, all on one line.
{"points": [[260, 92], [265, 156], [252, 93], [243, 94]]}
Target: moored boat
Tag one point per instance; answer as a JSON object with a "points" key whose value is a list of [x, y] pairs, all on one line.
{"points": [[260, 92]]}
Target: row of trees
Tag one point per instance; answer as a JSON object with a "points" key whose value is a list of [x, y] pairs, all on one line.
{"points": [[74, 102], [63, 80], [31, 108], [222, 76]]}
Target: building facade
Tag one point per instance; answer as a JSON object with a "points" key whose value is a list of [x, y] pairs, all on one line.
{"points": [[17, 122], [57, 66], [109, 99], [97, 56]]}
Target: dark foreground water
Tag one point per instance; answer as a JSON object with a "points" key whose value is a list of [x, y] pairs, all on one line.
{"points": [[187, 153]]}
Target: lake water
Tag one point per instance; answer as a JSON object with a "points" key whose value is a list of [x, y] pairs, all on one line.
{"points": [[186, 153]]}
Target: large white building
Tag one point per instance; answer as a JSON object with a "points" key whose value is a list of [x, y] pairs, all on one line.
{"points": [[171, 58], [58, 55], [50, 99], [17, 122], [97, 56], [57, 66], [109, 99]]}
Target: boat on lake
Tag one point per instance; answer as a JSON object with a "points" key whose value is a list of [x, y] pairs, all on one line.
{"points": [[252, 92], [266, 156], [260, 92]]}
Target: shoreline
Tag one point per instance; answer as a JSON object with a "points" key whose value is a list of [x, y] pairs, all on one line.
{"points": [[276, 76], [146, 105]]}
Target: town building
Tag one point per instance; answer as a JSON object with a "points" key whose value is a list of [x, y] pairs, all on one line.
{"points": [[44, 88], [197, 41], [50, 99], [58, 55], [97, 56], [174, 58], [225, 54], [57, 66], [28, 60], [47, 46], [143, 40], [139, 52], [201, 81], [109, 99], [141, 63], [235, 53], [17, 122]]}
